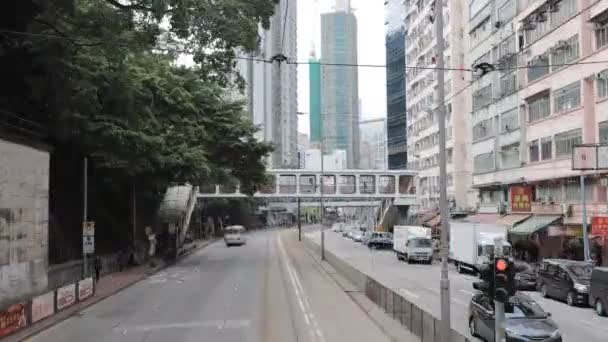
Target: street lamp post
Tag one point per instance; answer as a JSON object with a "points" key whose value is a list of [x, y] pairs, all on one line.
{"points": [[443, 205]]}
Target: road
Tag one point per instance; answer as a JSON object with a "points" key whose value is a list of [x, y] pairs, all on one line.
{"points": [[420, 285], [268, 290]]}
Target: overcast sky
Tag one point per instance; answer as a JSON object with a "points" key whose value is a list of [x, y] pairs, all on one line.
{"points": [[372, 81]]}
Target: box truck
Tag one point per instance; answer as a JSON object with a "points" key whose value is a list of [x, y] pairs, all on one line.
{"points": [[472, 244], [413, 243]]}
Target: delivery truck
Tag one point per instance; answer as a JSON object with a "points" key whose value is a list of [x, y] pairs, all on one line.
{"points": [[472, 244], [413, 243]]}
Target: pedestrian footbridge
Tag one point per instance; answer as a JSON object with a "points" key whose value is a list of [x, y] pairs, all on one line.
{"points": [[344, 185]]}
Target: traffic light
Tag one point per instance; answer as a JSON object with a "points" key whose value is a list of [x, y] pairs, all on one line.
{"points": [[486, 274], [504, 279]]}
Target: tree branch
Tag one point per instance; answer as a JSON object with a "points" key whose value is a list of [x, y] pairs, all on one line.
{"points": [[129, 7]]}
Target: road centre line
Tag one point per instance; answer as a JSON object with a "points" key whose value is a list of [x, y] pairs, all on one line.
{"points": [[301, 297]]}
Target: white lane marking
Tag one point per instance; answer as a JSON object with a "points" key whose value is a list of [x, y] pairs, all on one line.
{"points": [[218, 324], [300, 294], [408, 293]]}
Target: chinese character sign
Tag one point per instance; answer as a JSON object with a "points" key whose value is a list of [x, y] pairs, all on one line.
{"points": [[521, 198], [599, 225]]}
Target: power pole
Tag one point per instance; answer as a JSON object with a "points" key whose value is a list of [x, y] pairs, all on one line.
{"points": [[443, 201]]}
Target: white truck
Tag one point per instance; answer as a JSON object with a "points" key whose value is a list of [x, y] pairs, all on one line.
{"points": [[413, 243], [472, 244]]}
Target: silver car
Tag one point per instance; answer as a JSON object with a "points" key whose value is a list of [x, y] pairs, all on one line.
{"points": [[233, 236]]}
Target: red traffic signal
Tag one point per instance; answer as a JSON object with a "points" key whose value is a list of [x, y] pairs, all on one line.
{"points": [[501, 265]]}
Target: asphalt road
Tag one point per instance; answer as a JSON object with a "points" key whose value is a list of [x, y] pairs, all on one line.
{"points": [[420, 284], [268, 290]]}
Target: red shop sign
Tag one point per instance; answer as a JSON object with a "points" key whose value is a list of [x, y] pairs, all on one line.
{"points": [[599, 225], [521, 198]]}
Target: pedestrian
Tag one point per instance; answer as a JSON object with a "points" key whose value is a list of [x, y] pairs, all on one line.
{"points": [[97, 268]]}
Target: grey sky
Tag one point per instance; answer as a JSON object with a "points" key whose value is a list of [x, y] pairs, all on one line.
{"points": [[372, 81]]}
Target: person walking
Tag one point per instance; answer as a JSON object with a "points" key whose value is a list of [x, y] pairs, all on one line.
{"points": [[97, 268]]}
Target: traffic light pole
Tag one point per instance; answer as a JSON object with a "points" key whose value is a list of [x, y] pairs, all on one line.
{"points": [[499, 307]]}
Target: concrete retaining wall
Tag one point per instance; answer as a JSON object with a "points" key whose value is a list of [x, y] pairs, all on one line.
{"points": [[423, 324]]}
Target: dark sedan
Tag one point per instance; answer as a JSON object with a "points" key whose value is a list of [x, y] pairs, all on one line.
{"points": [[527, 321], [526, 279]]}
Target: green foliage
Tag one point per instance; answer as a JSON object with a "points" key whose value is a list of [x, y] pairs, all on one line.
{"points": [[103, 76]]}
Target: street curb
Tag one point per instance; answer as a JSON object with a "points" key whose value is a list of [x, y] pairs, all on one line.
{"points": [[94, 300]]}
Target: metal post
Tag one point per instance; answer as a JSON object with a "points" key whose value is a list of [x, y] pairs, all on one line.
{"points": [[299, 222], [134, 199], [585, 236], [499, 307], [443, 205], [85, 210], [322, 210]]}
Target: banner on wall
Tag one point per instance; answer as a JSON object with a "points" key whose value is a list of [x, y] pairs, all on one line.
{"points": [[66, 296], [43, 306], [521, 199], [12, 319], [85, 288]]}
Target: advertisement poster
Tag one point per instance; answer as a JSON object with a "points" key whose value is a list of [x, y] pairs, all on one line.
{"points": [[66, 296], [85, 288], [599, 225], [521, 199], [12, 319], [43, 306]]}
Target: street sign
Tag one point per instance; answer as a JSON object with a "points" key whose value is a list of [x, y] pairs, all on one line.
{"points": [[88, 244], [88, 228]]}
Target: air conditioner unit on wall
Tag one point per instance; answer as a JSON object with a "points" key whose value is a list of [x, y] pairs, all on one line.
{"points": [[567, 210]]}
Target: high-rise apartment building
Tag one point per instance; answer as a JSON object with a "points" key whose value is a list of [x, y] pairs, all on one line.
{"points": [[547, 95], [339, 83], [395, 84], [422, 128], [272, 89]]}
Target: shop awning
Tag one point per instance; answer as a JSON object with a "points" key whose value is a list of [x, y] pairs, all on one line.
{"points": [[512, 219], [482, 218], [434, 222], [534, 223]]}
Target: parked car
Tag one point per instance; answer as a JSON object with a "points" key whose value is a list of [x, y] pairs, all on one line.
{"points": [[358, 235], [366, 237], [526, 280], [345, 232], [233, 236], [380, 240], [598, 290], [527, 321], [565, 280], [337, 227]]}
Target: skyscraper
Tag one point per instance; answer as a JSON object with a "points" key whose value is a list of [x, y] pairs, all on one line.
{"points": [[339, 83], [272, 88], [395, 84], [315, 98]]}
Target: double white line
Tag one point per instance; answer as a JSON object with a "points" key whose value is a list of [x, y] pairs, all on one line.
{"points": [[309, 318]]}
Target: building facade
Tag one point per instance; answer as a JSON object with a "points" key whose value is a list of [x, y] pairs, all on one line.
{"points": [[395, 84], [373, 144], [547, 95], [314, 76], [272, 96], [339, 83], [422, 129]]}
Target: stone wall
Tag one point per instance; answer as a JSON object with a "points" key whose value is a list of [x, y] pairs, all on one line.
{"points": [[24, 200]]}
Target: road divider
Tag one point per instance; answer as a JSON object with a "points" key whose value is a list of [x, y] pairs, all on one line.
{"points": [[417, 320]]}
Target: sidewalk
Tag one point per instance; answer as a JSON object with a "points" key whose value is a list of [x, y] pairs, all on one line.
{"points": [[107, 286]]}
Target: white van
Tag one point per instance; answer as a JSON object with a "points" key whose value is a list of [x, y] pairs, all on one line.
{"points": [[233, 236]]}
